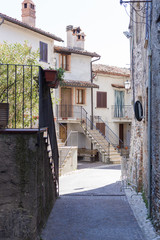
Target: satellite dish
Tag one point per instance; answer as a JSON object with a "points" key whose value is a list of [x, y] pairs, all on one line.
{"points": [[138, 110]]}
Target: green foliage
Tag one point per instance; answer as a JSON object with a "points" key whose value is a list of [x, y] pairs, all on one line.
{"points": [[60, 74], [19, 83]]}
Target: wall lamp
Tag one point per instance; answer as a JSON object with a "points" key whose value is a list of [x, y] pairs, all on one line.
{"points": [[127, 85], [127, 34]]}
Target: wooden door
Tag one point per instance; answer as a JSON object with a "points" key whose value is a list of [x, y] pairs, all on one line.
{"points": [[63, 132], [66, 102], [121, 135], [101, 127]]}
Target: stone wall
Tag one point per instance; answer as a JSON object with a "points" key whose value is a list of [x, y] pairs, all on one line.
{"points": [[155, 113], [26, 186], [139, 80], [141, 52]]}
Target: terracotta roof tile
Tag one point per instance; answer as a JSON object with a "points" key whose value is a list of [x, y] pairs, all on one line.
{"points": [[73, 83], [34, 29], [60, 49], [112, 70]]}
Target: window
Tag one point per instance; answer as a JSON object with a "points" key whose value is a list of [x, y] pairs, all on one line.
{"points": [[25, 5], [119, 104], [80, 96], [43, 52], [101, 100], [65, 62], [32, 6]]}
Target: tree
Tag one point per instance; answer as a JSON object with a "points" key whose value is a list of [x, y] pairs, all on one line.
{"points": [[19, 83]]}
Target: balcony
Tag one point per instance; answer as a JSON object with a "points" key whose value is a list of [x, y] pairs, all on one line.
{"points": [[68, 113], [122, 113]]}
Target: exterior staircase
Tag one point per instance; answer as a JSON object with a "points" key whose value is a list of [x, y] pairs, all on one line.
{"points": [[106, 145], [66, 155], [108, 152]]}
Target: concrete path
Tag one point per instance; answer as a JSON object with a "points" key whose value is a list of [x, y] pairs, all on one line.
{"points": [[92, 206]]}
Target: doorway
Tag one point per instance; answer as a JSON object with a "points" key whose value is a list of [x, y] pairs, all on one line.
{"points": [[101, 127], [66, 103], [63, 132], [121, 134]]}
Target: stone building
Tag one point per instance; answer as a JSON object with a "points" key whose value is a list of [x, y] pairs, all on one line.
{"points": [[144, 163]]}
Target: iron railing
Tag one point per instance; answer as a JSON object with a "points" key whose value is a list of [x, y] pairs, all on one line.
{"points": [[109, 135], [89, 125], [79, 113], [71, 141], [66, 111], [122, 111], [24, 89], [19, 88]]}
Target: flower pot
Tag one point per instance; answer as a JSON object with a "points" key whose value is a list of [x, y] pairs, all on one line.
{"points": [[51, 78], [4, 114]]}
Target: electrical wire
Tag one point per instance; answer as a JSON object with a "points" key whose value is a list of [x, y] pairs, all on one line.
{"points": [[141, 22]]}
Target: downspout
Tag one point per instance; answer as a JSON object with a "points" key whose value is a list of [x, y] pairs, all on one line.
{"points": [[149, 116], [92, 96], [2, 20], [92, 88]]}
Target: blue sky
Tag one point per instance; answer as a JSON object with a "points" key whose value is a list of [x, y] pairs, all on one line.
{"points": [[103, 22]]}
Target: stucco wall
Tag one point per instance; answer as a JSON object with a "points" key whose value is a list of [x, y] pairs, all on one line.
{"points": [[15, 34], [26, 185], [80, 67], [105, 82]]}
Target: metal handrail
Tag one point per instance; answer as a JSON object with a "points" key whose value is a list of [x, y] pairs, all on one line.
{"points": [[91, 123], [66, 145], [119, 140]]}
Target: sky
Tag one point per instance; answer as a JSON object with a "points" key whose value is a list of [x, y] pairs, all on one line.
{"points": [[103, 22]]}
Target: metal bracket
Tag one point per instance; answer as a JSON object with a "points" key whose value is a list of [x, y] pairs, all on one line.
{"points": [[142, 1]]}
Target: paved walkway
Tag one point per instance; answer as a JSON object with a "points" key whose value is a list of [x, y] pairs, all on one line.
{"points": [[92, 206]]}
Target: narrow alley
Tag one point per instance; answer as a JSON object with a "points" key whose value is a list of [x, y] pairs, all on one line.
{"points": [[92, 206]]}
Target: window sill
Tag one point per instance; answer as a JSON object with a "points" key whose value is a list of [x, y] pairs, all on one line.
{"points": [[101, 108]]}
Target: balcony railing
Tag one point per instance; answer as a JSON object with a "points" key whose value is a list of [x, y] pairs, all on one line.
{"points": [[122, 112], [68, 112]]}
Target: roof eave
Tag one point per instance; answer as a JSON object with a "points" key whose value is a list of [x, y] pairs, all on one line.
{"points": [[17, 22]]}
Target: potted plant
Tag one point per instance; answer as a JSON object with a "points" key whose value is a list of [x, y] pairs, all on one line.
{"points": [[54, 77]]}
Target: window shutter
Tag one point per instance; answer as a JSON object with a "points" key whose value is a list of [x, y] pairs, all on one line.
{"points": [[45, 52], [68, 59], [98, 99], [101, 99], [41, 51]]}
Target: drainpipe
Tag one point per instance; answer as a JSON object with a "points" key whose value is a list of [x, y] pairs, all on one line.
{"points": [[92, 89], [149, 117], [92, 95], [2, 20]]}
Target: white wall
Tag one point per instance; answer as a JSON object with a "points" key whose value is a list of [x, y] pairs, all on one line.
{"points": [[13, 33], [105, 82], [80, 67]]}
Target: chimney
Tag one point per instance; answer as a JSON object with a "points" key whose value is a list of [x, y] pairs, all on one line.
{"points": [[69, 31], [28, 12], [75, 38]]}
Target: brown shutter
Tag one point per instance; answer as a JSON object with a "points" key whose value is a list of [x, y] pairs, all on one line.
{"points": [[98, 99], [68, 62], [101, 127], [101, 99]]}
